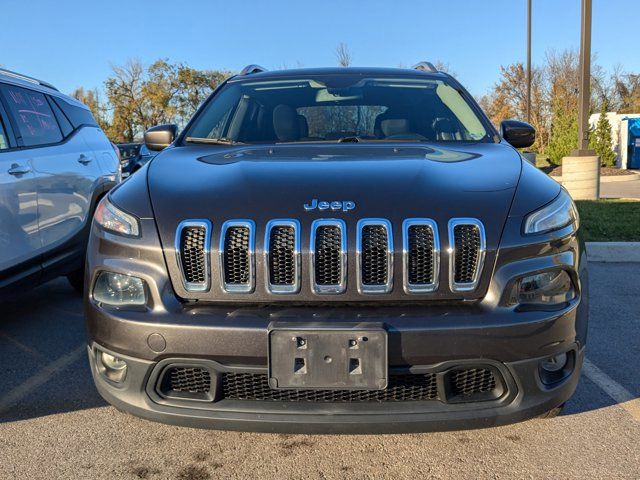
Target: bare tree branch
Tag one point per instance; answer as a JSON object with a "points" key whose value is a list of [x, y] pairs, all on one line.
{"points": [[343, 55]]}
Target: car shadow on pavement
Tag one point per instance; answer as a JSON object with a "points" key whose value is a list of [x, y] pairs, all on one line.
{"points": [[43, 362], [44, 368]]}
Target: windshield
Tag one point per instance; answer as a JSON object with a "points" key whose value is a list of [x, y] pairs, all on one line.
{"points": [[337, 108]]}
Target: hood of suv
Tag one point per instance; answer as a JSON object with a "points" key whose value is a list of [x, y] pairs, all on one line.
{"points": [[394, 182]]}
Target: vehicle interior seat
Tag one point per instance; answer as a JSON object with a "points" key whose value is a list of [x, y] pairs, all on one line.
{"points": [[286, 123], [303, 126], [395, 126], [446, 130]]}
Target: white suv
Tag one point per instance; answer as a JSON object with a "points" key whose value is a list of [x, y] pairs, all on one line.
{"points": [[55, 165]]}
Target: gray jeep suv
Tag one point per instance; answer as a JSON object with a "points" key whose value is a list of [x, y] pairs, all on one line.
{"points": [[337, 250], [55, 164]]}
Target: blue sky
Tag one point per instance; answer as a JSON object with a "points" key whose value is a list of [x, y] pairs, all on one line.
{"points": [[73, 43]]}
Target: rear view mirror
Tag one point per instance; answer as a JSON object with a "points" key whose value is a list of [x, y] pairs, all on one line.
{"points": [[160, 137], [518, 134]]}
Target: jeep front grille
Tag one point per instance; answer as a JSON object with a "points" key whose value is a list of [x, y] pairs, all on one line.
{"points": [[467, 244], [192, 250], [282, 256], [280, 264], [375, 256], [329, 256], [237, 249]]}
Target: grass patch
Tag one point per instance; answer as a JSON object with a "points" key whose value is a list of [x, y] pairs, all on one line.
{"points": [[609, 220]]}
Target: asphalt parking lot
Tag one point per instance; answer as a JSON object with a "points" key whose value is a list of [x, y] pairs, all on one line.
{"points": [[53, 424]]}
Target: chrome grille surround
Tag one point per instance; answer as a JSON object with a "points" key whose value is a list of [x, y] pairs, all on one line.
{"points": [[481, 252], [341, 285], [372, 288], [415, 288], [283, 288], [250, 285], [194, 223]]}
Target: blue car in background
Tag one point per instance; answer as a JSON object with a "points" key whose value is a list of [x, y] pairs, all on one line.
{"points": [[133, 157]]}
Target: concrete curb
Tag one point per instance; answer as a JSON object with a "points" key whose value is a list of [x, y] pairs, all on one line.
{"points": [[613, 252], [608, 178]]}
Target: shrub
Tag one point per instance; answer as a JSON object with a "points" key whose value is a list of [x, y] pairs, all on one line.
{"points": [[600, 139]]}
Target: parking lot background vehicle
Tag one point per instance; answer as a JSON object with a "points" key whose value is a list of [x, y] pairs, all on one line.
{"points": [[261, 248], [55, 164], [133, 157]]}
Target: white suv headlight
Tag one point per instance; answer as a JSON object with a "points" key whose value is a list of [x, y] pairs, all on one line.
{"points": [[558, 214], [111, 218]]}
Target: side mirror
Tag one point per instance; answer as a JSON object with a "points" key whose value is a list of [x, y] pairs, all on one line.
{"points": [[160, 137], [518, 134]]}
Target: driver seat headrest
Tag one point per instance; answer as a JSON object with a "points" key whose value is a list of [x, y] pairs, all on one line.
{"points": [[286, 123]]}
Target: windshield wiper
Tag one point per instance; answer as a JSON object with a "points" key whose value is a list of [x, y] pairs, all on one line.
{"points": [[213, 141]]}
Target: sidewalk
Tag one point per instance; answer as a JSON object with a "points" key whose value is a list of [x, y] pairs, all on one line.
{"points": [[629, 189]]}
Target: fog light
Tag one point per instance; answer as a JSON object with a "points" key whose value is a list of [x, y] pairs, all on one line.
{"points": [[547, 288], [118, 289], [112, 367], [555, 363]]}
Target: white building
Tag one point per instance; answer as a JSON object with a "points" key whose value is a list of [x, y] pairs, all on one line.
{"points": [[619, 134]]}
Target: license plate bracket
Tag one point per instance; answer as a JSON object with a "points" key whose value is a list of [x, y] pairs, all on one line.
{"points": [[328, 358]]}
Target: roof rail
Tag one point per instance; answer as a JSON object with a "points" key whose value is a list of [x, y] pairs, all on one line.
{"points": [[249, 69], [26, 78], [425, 67]]}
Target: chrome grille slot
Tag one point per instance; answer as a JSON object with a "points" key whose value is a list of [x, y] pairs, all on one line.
{"points": [[375, 256], [192, 247], [467, 251], [282, 256], [421, 252], [328, 256], [237, 262]]}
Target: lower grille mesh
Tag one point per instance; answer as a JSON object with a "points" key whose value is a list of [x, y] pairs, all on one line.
{"points": [[472, 381], [420, 255], [187, 379], [192, 254], [401, 388], [236, 256], [328, 256], [375, 268], [459, 384], [467, 252]]}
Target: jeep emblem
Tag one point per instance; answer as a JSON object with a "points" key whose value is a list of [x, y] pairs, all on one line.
{"points": [[344, 205]]}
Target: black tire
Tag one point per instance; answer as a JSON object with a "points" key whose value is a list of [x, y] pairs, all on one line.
{"points": [[76, 279], [553, 413]]}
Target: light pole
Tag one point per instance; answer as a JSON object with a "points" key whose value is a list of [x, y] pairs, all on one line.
{"points": [[529, 61], [581, 170], [585, 81]]}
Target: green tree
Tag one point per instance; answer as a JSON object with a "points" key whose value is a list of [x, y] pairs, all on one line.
{"points": [[600, 139], [562, 71], [564, 133]]}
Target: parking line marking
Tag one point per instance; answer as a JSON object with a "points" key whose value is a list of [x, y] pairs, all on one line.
{"points": [[21, 346], [36, 381], [624, 397]]}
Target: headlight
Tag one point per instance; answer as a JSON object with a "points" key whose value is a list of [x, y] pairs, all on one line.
{"points": [[119, 290], [556, 215], [111, 218], [547, 288]]}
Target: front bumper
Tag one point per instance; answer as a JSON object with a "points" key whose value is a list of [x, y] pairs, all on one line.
{"points": [[428, 336], [420, 340]]}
